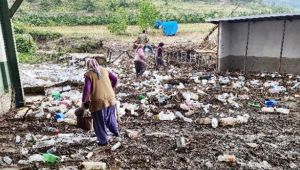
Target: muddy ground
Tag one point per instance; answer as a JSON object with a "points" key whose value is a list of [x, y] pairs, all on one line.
{"points": [[263, 141]]}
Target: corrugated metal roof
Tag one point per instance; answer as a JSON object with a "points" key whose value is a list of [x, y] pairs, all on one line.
{"points": [[256, 18]]}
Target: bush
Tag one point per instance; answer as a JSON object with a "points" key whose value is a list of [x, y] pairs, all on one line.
{"points": [[119, 21], [25, 44], [44, 36], [148, 13], [19, 28]]}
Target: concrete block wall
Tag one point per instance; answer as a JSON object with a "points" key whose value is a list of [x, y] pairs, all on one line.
{"points": [[264, 46]]}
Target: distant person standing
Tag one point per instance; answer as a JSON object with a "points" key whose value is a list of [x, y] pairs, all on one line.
{"points": [[143, 39], [139, 59], [159, 57]]}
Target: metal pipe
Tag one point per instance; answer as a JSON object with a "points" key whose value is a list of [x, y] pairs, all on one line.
{"points": [[282, 44], [247, 47]]}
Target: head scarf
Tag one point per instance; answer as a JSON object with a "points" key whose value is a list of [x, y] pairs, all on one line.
{"points": [[93, 65]]}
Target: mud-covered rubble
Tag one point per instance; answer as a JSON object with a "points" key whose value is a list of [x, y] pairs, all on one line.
{"points": [[178, 118]]}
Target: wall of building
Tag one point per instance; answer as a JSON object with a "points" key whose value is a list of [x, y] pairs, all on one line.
{"points": [[291, 50], [264, 46]]}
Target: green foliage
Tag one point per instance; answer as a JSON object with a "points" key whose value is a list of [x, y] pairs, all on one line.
{"points": [[19, 28], [148, 13], [25, 44], [36, 58], [44, 36], [142, 12], [119, 21]]}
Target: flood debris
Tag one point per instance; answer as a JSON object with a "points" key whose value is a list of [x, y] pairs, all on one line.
{"points": [[184, 117]]}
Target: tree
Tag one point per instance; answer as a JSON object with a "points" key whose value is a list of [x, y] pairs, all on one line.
{"points": [[148, 13], [119, 21]]}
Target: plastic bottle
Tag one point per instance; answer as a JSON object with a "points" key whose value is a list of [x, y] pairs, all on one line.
{"points": [[50, 158], [116, 146], [270, 102], [214, 122], [56, 95], [52, 129]]}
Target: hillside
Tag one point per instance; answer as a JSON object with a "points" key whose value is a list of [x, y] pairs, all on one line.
{"points": [[98, 12], [294, 4]]}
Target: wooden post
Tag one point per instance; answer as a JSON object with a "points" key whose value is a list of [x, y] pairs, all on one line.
{"points": [[282, 44]]}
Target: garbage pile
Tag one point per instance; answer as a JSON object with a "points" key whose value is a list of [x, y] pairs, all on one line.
{"points": [[178, 118]]}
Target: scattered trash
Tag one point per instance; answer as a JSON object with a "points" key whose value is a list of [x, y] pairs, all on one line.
{"points": [[56, 95], [59, 117], [252, 145], [261, 165], [231, 159], [214, 122], [7, 160], [163, 116], [52, 130], [93, 166], [36, 158], [115, 146], [254, 104], [50, 158], [180, 142], [270, 103], [283, 110], [89, 155], [208, 164], [268, 109], [230, 121], [178, 114], [204, 121], [18, 139]]}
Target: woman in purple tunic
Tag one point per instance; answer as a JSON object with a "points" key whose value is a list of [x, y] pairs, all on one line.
{"points": [[159, 57], [98, 92]]}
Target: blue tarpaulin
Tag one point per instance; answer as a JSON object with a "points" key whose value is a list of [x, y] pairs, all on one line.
{"points": [[170, 28]]}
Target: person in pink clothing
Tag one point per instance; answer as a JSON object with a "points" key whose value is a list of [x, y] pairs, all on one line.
{"points": [[139, 59]]}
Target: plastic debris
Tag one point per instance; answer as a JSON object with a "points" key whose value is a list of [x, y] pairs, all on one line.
{"points": [[231, 159], [36, 158], [268, 109], [270, 103], [180, 142], [163, 116], [50, 158], [7, 160], [93, 166], [282, 110], [178, 114], [18, 139], [214, 122], [89, 155], [116, 146], [56, 95], [204, 121]]}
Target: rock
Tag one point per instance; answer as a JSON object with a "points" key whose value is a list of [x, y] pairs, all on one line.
{"points": [[252, 145], [93, 165], [203, 121], [208, 164], [7, 160]]}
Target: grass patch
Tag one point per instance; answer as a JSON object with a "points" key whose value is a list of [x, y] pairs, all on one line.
{"points": [[101, 31]]}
